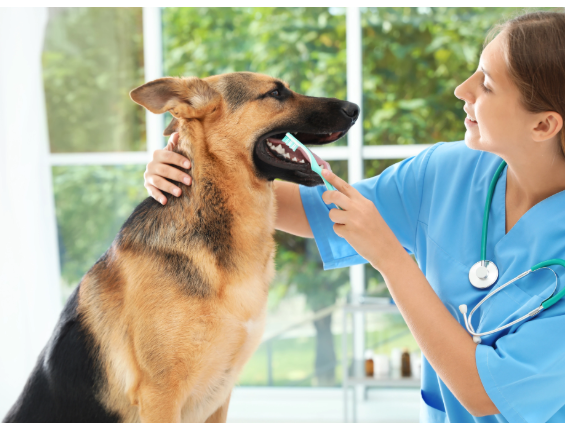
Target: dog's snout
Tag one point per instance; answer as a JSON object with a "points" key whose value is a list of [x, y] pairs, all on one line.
{"points": [[351, 110]]}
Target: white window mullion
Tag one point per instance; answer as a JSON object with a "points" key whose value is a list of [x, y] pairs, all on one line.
{"points": [[355, 92], [371, 152], [153, 64], [87, 159], [331, 153], [355, 166]]}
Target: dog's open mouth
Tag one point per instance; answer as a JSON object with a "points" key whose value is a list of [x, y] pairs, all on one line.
{"points": [[279, 150], [276, 160]]}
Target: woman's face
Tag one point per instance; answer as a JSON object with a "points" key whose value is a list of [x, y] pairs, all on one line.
{"points": [[492, 100]]}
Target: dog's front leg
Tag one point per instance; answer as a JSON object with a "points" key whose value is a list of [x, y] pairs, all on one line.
{"points": [[221, 414], [159, 405]]}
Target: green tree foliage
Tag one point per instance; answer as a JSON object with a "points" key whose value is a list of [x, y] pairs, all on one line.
{"points": [[303, 46], [413, 60], [92, 203], [92, 58]]}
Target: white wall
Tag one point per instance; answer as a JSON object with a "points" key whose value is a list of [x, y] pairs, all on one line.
{"points": [[30, 298]]}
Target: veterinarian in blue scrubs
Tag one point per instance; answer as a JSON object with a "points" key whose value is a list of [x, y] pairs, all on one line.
{"points": [[433, 205]]}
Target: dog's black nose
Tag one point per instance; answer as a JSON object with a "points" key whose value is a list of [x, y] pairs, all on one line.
{"points": [[351, 110]]}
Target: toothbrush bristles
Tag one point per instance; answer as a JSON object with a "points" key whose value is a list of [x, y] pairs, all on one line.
{"points": [[290, 142]]}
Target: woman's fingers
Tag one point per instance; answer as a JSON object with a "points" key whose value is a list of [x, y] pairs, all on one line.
{"points": [[338, 216], [169, 172], [156, 194], [170, 157], [338, 183], [156, 181], [337, 198]]}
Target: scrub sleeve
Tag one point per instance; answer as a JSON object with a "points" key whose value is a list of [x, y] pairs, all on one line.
{"points": [[397, 193], [524, 372]]}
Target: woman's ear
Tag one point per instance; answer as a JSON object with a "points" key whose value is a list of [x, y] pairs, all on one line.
{"points": [[184, 98], [548, 125]]}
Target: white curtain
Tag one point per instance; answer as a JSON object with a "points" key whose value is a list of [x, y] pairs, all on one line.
{"points": [[30, 296]]}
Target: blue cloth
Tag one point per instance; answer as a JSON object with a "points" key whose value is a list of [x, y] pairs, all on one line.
{"points": [[434, 203]]}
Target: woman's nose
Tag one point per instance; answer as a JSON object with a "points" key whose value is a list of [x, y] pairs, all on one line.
{"points": [[464, 92]]}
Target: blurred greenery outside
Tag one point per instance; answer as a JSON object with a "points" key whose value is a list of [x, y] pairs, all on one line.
{"points": [[92, 58], [413, 58]]}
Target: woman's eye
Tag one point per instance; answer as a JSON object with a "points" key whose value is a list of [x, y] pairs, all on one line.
{"points": [[275, 93], [485, 89]]}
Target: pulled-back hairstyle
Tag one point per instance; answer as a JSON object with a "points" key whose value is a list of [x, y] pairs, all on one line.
{"points": [[535, 56]]}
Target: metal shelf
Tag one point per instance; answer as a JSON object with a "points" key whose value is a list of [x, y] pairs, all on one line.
{"points": [[385, 382], [367, 305]]}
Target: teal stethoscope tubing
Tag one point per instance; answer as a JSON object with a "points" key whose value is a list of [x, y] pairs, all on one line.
{"points": [[490, 194], [548, 302]]}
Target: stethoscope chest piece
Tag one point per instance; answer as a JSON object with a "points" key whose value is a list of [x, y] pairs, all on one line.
{"points": [[483, 274]]}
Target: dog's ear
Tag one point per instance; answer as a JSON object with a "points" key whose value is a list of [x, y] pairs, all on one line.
{"points": [[188, 98]]}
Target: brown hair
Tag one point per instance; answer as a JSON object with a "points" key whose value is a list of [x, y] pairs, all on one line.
{"points": [[535, 56]]}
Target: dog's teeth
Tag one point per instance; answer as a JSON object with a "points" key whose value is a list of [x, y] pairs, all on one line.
{"points": [[294, 159], [302, 161], [287, 156], [280, 149]]}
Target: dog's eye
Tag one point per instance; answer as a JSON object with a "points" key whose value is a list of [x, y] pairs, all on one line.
{"points": [[275, 93]]}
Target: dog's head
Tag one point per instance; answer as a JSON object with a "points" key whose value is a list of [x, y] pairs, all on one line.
{"points": [[244, 116]]}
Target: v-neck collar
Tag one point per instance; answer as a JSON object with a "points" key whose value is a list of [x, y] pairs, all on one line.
{"points": [[499, 203]]}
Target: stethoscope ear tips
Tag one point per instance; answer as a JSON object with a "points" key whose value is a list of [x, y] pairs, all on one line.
{"points": [[463, 308]]}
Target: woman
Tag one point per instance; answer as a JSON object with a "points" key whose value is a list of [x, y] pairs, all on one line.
{"points": [[433, 204]]}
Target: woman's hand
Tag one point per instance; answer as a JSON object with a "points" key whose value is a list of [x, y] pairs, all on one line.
{"points": [[360, 223], [158, 169]]}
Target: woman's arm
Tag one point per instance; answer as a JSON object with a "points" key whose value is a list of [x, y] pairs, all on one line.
{"points": [[291, 217], [444, 342]]}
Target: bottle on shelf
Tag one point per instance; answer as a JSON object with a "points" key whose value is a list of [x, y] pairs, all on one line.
{"points": [[382, 365], [405, 369], [369, 364]]}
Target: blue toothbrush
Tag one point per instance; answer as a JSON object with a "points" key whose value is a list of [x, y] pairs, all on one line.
{"points": [[293, 143]]}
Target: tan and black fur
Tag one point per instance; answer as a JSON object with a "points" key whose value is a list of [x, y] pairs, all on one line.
{"points": [[160, 327]]}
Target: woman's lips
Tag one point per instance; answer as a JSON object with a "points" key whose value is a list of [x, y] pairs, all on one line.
{"points": [[469, 123]]}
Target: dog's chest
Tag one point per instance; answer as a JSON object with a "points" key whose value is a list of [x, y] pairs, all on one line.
{"points": [[240, 339]]}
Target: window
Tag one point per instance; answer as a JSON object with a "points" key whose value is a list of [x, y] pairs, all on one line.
{"points": [[401, 64]]}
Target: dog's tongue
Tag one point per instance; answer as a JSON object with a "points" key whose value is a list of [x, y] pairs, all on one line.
{"points": [[323, 164]]}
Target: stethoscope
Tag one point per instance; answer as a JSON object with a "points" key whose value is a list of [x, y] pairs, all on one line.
{"points": [[484, 273]]}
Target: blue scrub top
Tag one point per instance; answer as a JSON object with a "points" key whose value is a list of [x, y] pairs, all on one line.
{"points": [[434, 203]]}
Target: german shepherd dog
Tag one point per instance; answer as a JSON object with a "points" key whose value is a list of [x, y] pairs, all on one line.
{"points": [[160, 327]]}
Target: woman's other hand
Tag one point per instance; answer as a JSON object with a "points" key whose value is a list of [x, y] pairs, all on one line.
{"points": [[159, 170], [360, 223]]}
